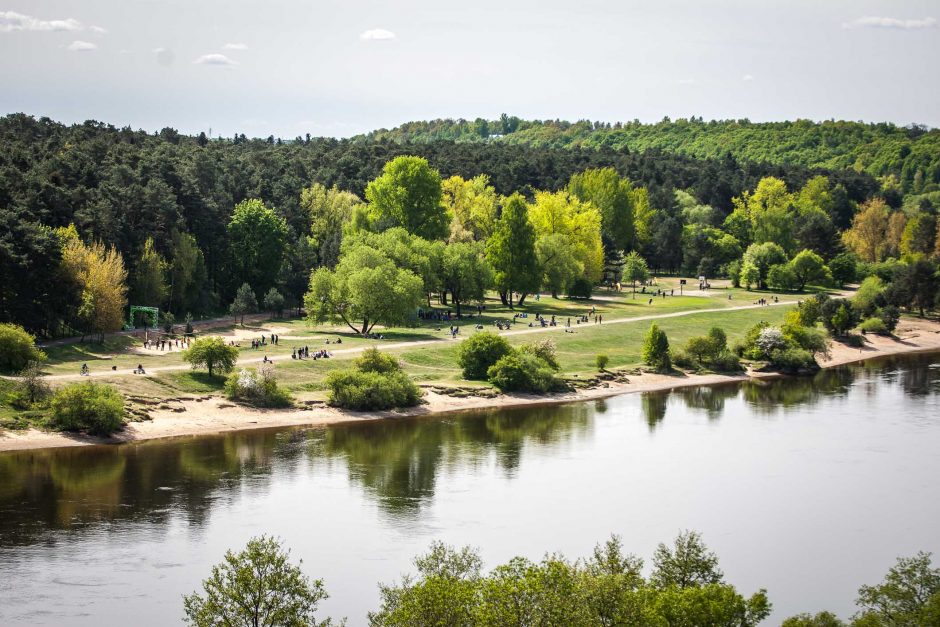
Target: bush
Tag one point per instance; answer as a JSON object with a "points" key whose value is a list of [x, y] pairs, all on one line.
{"points": [[257, 387], [377, 382], [809, 338], [581, 288], [782, 277], [793, 360], [682, 359], [544, 350], [891, 316], [726, 361], [523, 371], [480, 351], [92, 407], [363, 391], [601, 361], [212, 353], [17, 348], [31, 389], [374, 360], [873, 325]]}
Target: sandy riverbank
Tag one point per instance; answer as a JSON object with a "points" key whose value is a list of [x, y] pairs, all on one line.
{"points": [[209, 415]]}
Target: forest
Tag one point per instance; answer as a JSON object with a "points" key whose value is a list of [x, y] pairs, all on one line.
{"points": [[96, 217]]}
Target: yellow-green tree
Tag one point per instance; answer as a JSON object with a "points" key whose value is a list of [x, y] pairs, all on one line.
{"points": [[472, 206], [100, 275], [149, 284], [766, 215], [577, 222], [866, 237]]}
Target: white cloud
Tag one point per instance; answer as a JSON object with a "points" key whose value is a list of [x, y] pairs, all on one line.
{"points": [[165, 56], [98, 29], [688, 81], [747, 78], [11, 21], [377, 34], [235, 46], [82, 46], [214, 59], [891, 22]]}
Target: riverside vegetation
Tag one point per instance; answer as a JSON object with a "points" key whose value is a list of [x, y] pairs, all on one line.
{"points": [[686, 588]]}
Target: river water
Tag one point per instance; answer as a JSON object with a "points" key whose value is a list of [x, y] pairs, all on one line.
{"points": [[806, 487]]}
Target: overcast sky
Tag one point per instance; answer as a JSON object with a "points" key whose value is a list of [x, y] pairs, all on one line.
{"points": [[340, 67]]}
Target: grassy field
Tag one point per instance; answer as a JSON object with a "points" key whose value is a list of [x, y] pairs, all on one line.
{"points": [[426, 350]]}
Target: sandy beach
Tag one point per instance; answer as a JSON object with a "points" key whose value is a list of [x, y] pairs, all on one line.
{"points": [[195, 416]]}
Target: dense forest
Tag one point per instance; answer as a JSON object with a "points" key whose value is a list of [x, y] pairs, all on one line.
{"points": [[94, 217], [911, 155]]}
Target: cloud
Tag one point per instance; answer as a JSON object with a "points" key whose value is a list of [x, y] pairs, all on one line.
{"points": [[165, 56], [377, 34], [747, 78], [11, 21], [97, 29], [82, 46], [214, 59], [235, 46], [688, 81], [891, 22]]}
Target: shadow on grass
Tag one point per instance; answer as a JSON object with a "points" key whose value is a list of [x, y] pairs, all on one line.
{"points": [[192, 381]]}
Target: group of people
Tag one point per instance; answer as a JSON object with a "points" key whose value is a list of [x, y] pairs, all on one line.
{"points": [[303, 352], [164, 344], [764, 301], [264, 341]]}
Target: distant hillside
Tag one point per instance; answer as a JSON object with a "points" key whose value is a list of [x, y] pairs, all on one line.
{"points": [[911, 154]]}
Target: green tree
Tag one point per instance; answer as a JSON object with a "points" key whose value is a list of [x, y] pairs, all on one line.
{"points": [[408, 194], [909, 595], [256, 586], [750, 275], [473, 207], [329, 211], [149, 285], [213, 354], [465, 272], [258, 236], [560, 267], [511, 251], [188, 274], [844, 268], [274, 302], [635, 269], [764, 256], [688, 563], [614, 197], [808, 267], [579, 223], [17, 348], [656, 349], [766, 215], [366, 286], [822, 619], [245, 303], [919, 234]]}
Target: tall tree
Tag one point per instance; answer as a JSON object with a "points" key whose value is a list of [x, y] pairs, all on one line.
{"points": [[149, 284], [866, 238], [511, 251], [473, 206], [465, 272], [258, 236], [579, 223], [329, 211], [614, 196], [408, 194]]}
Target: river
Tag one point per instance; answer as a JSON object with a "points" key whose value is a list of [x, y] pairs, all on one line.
{"points": [[806, 487]]}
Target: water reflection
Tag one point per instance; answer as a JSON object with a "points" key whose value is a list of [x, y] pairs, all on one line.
{"points": [[397, 463]]}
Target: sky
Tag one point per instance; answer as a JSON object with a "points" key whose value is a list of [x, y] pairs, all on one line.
{"points": [[342, 67]]}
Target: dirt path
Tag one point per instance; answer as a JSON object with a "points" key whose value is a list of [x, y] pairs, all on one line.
{"points": [[395, 345]]}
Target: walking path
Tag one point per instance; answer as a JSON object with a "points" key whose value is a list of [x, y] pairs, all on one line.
{"points": [[351, 351]]}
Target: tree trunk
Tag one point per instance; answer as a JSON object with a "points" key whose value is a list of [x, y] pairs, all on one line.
{"points": [[502, 298], [457, 305], [365, 326], [522, 298]]}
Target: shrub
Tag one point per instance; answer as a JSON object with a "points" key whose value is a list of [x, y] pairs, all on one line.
{"points": [[544, 350], [480, 351], [869, 296], [581, 288], [523, 371], [809, 338], [682, 359], [602, 361], [890, 315], [793, 360], [92, 407], [364, 391], [873, 325], [374, 360], [656, 349], [726, 361], [782, 277], [838, 315], [770, 339], [17, 348], [31, 388], [844, 268], [377, 382], [257, 387], [700, 348]]}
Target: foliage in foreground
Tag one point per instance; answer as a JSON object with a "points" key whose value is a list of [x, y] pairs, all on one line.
{"points": [[92, 407], [257, 387], [376, 382], [480, 351], [608, 588], [909, 596], [257, 586]]}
